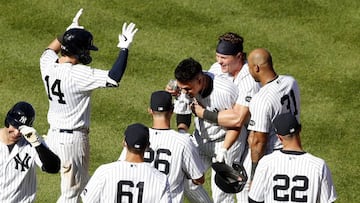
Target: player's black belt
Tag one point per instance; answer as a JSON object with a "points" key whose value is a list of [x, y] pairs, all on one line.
{"points": [[66, 131]]}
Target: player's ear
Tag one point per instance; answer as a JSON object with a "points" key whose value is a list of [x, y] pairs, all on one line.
{"points": [[150, 111], [124, 143], [239, 55]]}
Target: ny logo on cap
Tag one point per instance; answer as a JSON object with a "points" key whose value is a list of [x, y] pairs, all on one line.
{"points": [[23, 119]]}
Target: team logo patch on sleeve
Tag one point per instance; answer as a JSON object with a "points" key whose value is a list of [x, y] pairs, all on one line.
{"points": [[248, 98], [252, 122]]}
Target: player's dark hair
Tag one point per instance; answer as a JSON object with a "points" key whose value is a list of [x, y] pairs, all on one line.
{"points": [[187, 70], [233, 38]]}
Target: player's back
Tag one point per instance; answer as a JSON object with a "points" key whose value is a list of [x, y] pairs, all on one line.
{"points": [[289, 176], [69, 88], [124, 181], [279, 96], [175, 155]]}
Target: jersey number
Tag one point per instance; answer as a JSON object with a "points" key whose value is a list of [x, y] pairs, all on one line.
{"points": [[55, 90], [127, 194], [290, 99], [158, 161], [285, 186]]}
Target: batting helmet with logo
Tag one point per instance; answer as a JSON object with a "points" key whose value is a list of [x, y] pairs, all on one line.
{"points": [[230, 179], [78, 42], [22, 113]]}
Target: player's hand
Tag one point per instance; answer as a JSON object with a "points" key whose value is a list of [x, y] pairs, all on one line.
{"points": [[172, 88], [75, 22], [30, 135], [197, 108], [221, 155], [127, 35]]}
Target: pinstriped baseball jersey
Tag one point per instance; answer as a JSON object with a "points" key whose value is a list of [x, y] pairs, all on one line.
{"points": [[281, 95], [243, 80], [175, 155], [124, 181], [18, 172], [289, 176], [222, 97], [69, 88]]}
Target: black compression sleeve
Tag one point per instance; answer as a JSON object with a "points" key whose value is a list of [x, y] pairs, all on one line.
{"points": [[253, 201], [118, 69], [50, 161], [183, 118]]}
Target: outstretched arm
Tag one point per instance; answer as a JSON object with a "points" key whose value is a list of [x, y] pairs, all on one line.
{"points": [[125, 39]]}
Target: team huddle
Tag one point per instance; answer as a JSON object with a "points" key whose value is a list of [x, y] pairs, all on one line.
{"points": [[246, 121]]}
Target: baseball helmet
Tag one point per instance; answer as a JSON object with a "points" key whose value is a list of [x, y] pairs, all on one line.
{"points": [[22, 113], [230, 179], [78, 42]]}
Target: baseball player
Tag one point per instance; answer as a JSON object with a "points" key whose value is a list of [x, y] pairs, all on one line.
{"points": [[21, 149], [131, 180], [291, 174], [278, 94], [69, 81], [170, 151], [231, 64], [215, 94]]}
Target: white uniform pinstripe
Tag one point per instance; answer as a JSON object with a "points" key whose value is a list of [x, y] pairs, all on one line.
{"points": [[247, 89], [279, 96], [18, 172], [69, 89], [175, 155], [124, 181], [288, 176], [210, 136]]}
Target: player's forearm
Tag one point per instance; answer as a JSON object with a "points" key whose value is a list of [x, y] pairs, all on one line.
{"points": [[118, 69], [55, 45], [50, 161], [257, 148], [231, 137]]}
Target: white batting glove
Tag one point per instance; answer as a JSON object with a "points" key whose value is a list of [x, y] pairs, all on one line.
{"points": [[127, 35], [221, 155], [30, 135], [75, 22]]}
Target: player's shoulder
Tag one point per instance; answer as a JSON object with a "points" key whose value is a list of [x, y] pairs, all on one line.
{"points": [[159, 176], [223, 84], [315, 159], [170, 136], [286, 79]]}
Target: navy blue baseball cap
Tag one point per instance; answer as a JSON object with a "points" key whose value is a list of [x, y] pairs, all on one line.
{"points": [[161, 101], [286, 124], [137, 136]]}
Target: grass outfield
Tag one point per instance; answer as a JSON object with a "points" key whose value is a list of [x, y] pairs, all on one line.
{"points": [[316, 41]]}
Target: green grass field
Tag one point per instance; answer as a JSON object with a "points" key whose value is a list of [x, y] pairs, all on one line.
{"points": [[316, 41]]}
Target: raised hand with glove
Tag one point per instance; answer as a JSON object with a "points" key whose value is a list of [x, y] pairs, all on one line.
{"points": [[30, 135], [127, 35], [75, 22]]}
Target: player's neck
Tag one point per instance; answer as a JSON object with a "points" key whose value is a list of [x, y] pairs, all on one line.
{"points": [[161, 123], [136, 158], [271, 76], [67, 59], [292, 146]]}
